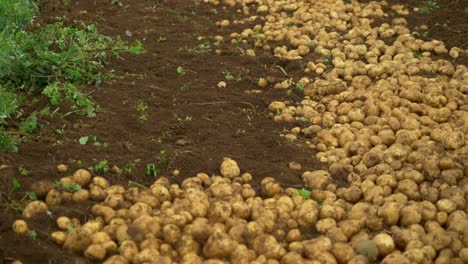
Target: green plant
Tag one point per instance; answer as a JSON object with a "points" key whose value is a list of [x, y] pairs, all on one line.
{"points": [[69, 187], [32, 234], [142, 109], [151, 170], [51, 61], [129, 167], [230, 77], [23, 171], [428, 7], [327, 59], [304, 193], [31, 196], [417, 54], [300, 87], [425, 34], [117, 2], [101, 167], [304, 119], [180, 70], [161, 39], [465, 10], [16, 184]]}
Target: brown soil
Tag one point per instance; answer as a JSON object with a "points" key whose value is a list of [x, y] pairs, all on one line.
{"points": [[224, 121]]}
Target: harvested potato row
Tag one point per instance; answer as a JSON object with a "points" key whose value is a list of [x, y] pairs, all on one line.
{"points": [[211, 219]]}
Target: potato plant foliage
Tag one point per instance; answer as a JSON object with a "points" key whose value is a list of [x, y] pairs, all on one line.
{"points": [[53, 60]]}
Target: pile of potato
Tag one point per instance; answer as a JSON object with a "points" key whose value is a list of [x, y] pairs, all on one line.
{"points": [[222, 219], [389, 114]]}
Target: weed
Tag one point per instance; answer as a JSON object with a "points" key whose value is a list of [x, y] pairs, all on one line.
{"points": [[16, 184], [304, 193], [117, 3], [204, 47], [151, 170], [161, 39], [23, 171], [142, 109], [32, 234], [279, 112], [230, 77], [186, 119], [83, 140], [180, 70], [67, 187], [425, 34], [31, 196], [101, 167], [300, 87], [129, 167], [417, 54], [428, 7], [50, 61], [304, 119], [327, 59], [465, 10]]}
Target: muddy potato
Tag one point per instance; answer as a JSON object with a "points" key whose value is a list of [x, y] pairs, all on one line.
{"points": [[80, 196], [20, 227], [229, 168], [54, 197], [82, 177], [34, 208], [41, 188], [343, 252], [268, 246], [77, 240], [95, 252], [116, 259], [97, 194], [128, 249], [411, 214], [218, 245]]}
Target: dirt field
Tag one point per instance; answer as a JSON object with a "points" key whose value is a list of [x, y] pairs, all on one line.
{"points": [[191, 123]]}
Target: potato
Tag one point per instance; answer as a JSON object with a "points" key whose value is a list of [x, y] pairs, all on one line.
{"points": [[20, 227], [171, 234], [343, 252], [82, 177], [218, 245], [395, 257], [41, 188], [316, 180], [411, 214], [307, 213], [59, 237], [229, 168], [54, 197], [384, 243], [324, 225], [116, 259], [77, 240], [64, 223], [318, 244], [268, 246], [34, 208], [80, 196], [97, 194], [128, 249], [95, 252]]}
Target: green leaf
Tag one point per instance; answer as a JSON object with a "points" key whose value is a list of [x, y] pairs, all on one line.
{"points": [[83, 140], [31, 195], [304, 193], [16, 184]]}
